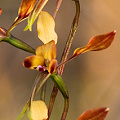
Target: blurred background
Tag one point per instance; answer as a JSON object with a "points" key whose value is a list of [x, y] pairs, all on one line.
{"points": [[92, 79]]}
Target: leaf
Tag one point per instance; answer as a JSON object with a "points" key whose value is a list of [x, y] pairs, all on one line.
{"points": [[46, 27], [58, 81], [23, 112], [14, 41], [94, 114], [97, 43]]}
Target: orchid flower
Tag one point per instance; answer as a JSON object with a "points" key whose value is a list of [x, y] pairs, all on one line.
{"points": [[45, 58]]}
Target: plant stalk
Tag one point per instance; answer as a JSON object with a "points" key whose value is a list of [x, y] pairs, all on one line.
{"points": [[64, 57]]}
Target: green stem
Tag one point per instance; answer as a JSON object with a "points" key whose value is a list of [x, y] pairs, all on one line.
{"points": [[23, 112], [34, 86], [42, 82], [43, 91]]}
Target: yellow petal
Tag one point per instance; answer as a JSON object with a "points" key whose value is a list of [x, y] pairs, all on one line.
{"points": [[33, 61], [46, 27], [47, 51], [26, 7], [52, 66], [39, 110], [34, 14], [97, 43]]}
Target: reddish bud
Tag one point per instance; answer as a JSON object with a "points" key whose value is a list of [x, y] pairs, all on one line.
{"points": [[94, 114], [97, 43]]}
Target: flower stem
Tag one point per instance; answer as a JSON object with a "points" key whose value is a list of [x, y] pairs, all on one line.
{"points": [[42, 82], [34, 86], [66, 106], [57, 8], [14, 25], [64, 57], [55, 89], [71, 35], [43, 91]]}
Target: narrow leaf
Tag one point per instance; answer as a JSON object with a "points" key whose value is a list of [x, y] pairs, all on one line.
{"points": [[97, 43], [94, 114], [60, 84], [23, 112], [14, 41]]}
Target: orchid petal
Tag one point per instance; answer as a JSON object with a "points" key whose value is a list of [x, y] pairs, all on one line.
{"points": [[39, 110], [97, 43], [26, 7], [33, 61], [52, 66], [47, 51], [46, 27], [34, 14]]}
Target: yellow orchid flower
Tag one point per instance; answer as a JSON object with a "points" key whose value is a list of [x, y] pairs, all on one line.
{"points": [[39, 110], [45, 58]]}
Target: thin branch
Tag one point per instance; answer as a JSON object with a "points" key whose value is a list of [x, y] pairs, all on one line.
{"points": [[57, 8], [43, 91], [64, 57], [34, 86], [71, 35]]}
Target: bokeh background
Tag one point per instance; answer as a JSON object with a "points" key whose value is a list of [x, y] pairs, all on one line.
{"points": [[92, 79]]}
